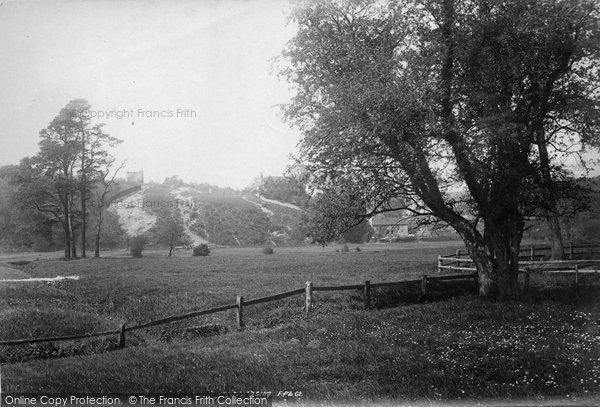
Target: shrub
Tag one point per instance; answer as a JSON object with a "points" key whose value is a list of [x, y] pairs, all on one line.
{"points": [[201, 250], [345, 248], [136, 245], [358, 249], [268, 250]]}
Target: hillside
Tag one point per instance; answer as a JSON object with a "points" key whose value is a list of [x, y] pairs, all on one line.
{"points": [[213, 218]]}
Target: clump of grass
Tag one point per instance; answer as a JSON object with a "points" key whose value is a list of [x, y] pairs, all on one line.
{"points": [[268, 249], [201, 250]]}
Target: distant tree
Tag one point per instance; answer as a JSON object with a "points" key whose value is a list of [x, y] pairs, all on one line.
{"points": [[169, 230], [173, 181], [360, 233], [103, 193], [20, 226], [333, 211], [112, 234]]}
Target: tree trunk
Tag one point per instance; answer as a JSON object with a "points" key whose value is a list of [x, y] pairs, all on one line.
{"points": [[71, 233], [496, 257], [67, 243], [556, 241], [486, 277], [67, 231], [83, 195], [98, 229], [552, 217], [170, 250], [73, 248], [497, 274], [83, 216], [83, 225]]}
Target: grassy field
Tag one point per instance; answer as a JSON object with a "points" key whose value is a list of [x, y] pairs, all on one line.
{"points": [[543, 346]]}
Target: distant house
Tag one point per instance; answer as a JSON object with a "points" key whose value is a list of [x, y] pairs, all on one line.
{"points": [[135, 177], [390, 225]]}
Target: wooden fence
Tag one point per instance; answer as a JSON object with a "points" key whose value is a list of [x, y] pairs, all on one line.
{"points": [[308, 291], [533, 258]]}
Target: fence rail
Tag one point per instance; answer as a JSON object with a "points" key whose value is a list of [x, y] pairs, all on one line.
{"points": [[58, 338], [571, 251], [181, 317], [241, 303], [536, 251], [457, 262]]}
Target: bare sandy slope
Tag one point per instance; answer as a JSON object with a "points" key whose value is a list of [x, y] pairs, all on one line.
{"points": [[133, 218]]}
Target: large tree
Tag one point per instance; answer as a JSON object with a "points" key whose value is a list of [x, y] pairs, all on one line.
{"points": [[94, 160], [72, 158], [412, 99]]}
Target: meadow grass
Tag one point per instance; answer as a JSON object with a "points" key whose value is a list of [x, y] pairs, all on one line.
{"points": [[140, 290], [457, 347]]}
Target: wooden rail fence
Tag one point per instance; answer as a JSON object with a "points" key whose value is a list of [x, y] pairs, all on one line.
{"points": [[529, 255], [308, 291], [458, 262]]}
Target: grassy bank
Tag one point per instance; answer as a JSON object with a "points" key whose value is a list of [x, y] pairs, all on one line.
{"points": [[461, 349], [543, 345]]}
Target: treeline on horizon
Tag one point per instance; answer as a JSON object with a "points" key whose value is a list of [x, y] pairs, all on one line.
{"points": [[223, 218]]}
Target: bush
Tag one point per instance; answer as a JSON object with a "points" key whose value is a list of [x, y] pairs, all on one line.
{"points": [[136, 245], [358, 249], [268, 250], [345, 248], [201, 250]]}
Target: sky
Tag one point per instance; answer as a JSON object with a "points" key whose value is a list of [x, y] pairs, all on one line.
{"points": [[185, 84]]}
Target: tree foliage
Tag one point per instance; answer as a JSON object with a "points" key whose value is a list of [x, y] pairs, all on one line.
{"points": [[169, 229], [335, 211], [57, 181], [22, 227], [412, 99]]}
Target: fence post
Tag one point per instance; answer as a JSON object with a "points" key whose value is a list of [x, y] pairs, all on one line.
{"points": [[526, 283], [576, 274], [122, 337], [570, 250], [367, 294], [309, 299], [532, 253], [423, 288], [458, 263], [440, 264], [240, 312]]}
